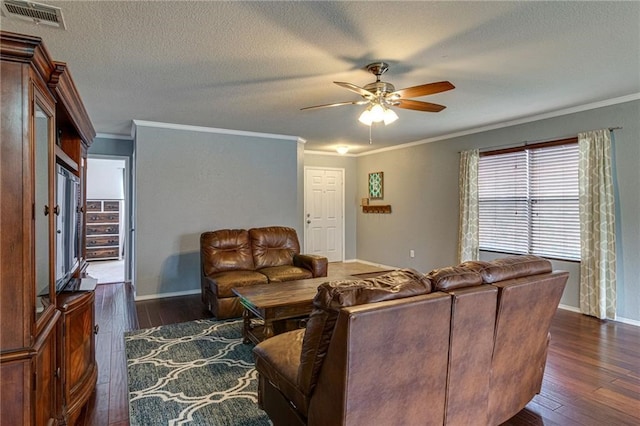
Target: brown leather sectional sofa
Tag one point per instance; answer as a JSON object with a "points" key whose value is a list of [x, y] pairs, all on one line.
{"points": [[463, 345], [238, 257]]}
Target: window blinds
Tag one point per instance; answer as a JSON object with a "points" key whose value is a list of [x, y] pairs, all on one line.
{"points": [[528, 202]]}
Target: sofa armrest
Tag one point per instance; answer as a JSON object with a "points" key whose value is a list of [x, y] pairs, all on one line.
{"points": [[316, 264]]}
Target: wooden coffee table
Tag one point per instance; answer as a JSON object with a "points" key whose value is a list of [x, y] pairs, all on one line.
{"points": [[274, 303]]}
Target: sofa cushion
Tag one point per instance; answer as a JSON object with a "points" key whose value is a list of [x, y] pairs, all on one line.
{"points": [[277, 359], [223, 282], [225, 250], [453, 277], [334, 295], [286, 273], [512, 267], [273, 246], [475, 265]]}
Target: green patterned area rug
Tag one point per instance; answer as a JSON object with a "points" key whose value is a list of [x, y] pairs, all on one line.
{"points": [[193, 373]]}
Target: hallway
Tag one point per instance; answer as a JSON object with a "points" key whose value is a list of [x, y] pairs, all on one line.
{"points": [[107, 271]]}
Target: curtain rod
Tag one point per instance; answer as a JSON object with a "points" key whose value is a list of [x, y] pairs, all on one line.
{"points": [[525, 143]]}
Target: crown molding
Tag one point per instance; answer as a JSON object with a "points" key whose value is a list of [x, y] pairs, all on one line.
{"points": [[202, 129], [552, 114], [331, 154]]}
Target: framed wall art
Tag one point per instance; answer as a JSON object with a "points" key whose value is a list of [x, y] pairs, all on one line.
{"points": [[376, 185]]}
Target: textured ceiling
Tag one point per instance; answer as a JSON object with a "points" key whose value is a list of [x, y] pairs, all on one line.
{"points": [[252, 65]]}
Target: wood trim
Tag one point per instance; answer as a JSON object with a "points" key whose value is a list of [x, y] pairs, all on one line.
{"points": [[61, 82], [24, 354], [19, 47], [40, 96], [27, 49], [547, 144], [64, 158]]}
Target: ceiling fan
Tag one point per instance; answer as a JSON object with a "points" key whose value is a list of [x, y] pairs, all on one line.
{"points": [[380, 96]]}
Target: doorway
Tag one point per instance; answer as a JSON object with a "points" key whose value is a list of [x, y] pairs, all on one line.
{"points": [[106, 218], [324, 212]]}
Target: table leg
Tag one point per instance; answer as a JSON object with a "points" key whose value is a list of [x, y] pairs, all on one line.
{"points": [[268, 328], [246, 316]]}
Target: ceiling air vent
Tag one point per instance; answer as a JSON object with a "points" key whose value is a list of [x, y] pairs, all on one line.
{"points": [[33, 12]]}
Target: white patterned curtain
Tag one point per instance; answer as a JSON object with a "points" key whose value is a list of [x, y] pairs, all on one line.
{"points": [[468, 234], [597, 225]]}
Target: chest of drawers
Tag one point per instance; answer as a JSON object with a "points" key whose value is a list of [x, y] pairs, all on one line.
{"points": [[103, 229]]}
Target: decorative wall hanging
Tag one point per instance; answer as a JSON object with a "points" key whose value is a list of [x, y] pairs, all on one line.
{"points": [[377, 209], [376, 185]]}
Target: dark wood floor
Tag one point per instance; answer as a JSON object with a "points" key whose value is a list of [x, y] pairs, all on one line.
{"points": [[592, 375]]}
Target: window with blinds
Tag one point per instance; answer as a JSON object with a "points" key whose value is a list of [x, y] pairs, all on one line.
{"points": [[528, 202]]}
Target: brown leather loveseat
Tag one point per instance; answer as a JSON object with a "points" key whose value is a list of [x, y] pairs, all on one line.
{"points": [[463, 345], [238, 257]]}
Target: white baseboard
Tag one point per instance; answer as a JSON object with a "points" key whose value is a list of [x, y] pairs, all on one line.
{"points": [[628, 321], [164, 295], [618, 319], [379, 265], [569, 308]]}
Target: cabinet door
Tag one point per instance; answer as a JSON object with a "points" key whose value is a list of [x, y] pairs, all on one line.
{"points": [[42, 130], [80, 370], [17, 376], [47, 373]]}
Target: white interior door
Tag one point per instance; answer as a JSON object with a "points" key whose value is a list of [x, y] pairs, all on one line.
{"points": [[324, 212]]}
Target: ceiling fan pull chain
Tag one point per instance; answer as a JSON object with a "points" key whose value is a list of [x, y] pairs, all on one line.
{"points": [[370, 140]]}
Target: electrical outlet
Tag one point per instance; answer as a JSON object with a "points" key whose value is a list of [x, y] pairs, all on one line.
{"points": [[412, 253]]}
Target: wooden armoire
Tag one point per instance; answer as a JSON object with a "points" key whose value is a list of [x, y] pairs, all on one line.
{"points": [[47, 345]]}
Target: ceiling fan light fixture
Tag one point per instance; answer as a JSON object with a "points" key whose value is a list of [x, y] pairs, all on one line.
{"points": [[389, 116], [342, 150], [365, 117], [377, 113]]}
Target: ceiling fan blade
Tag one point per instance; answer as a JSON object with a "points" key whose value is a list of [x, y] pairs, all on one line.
{"points": [[335, 104], [357, 89], [423, 89], [418, 105]]}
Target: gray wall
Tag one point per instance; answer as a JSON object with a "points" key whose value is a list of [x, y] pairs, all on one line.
{"points": [[188, 182], [351, 200], [421, 184], [108, 146]]}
